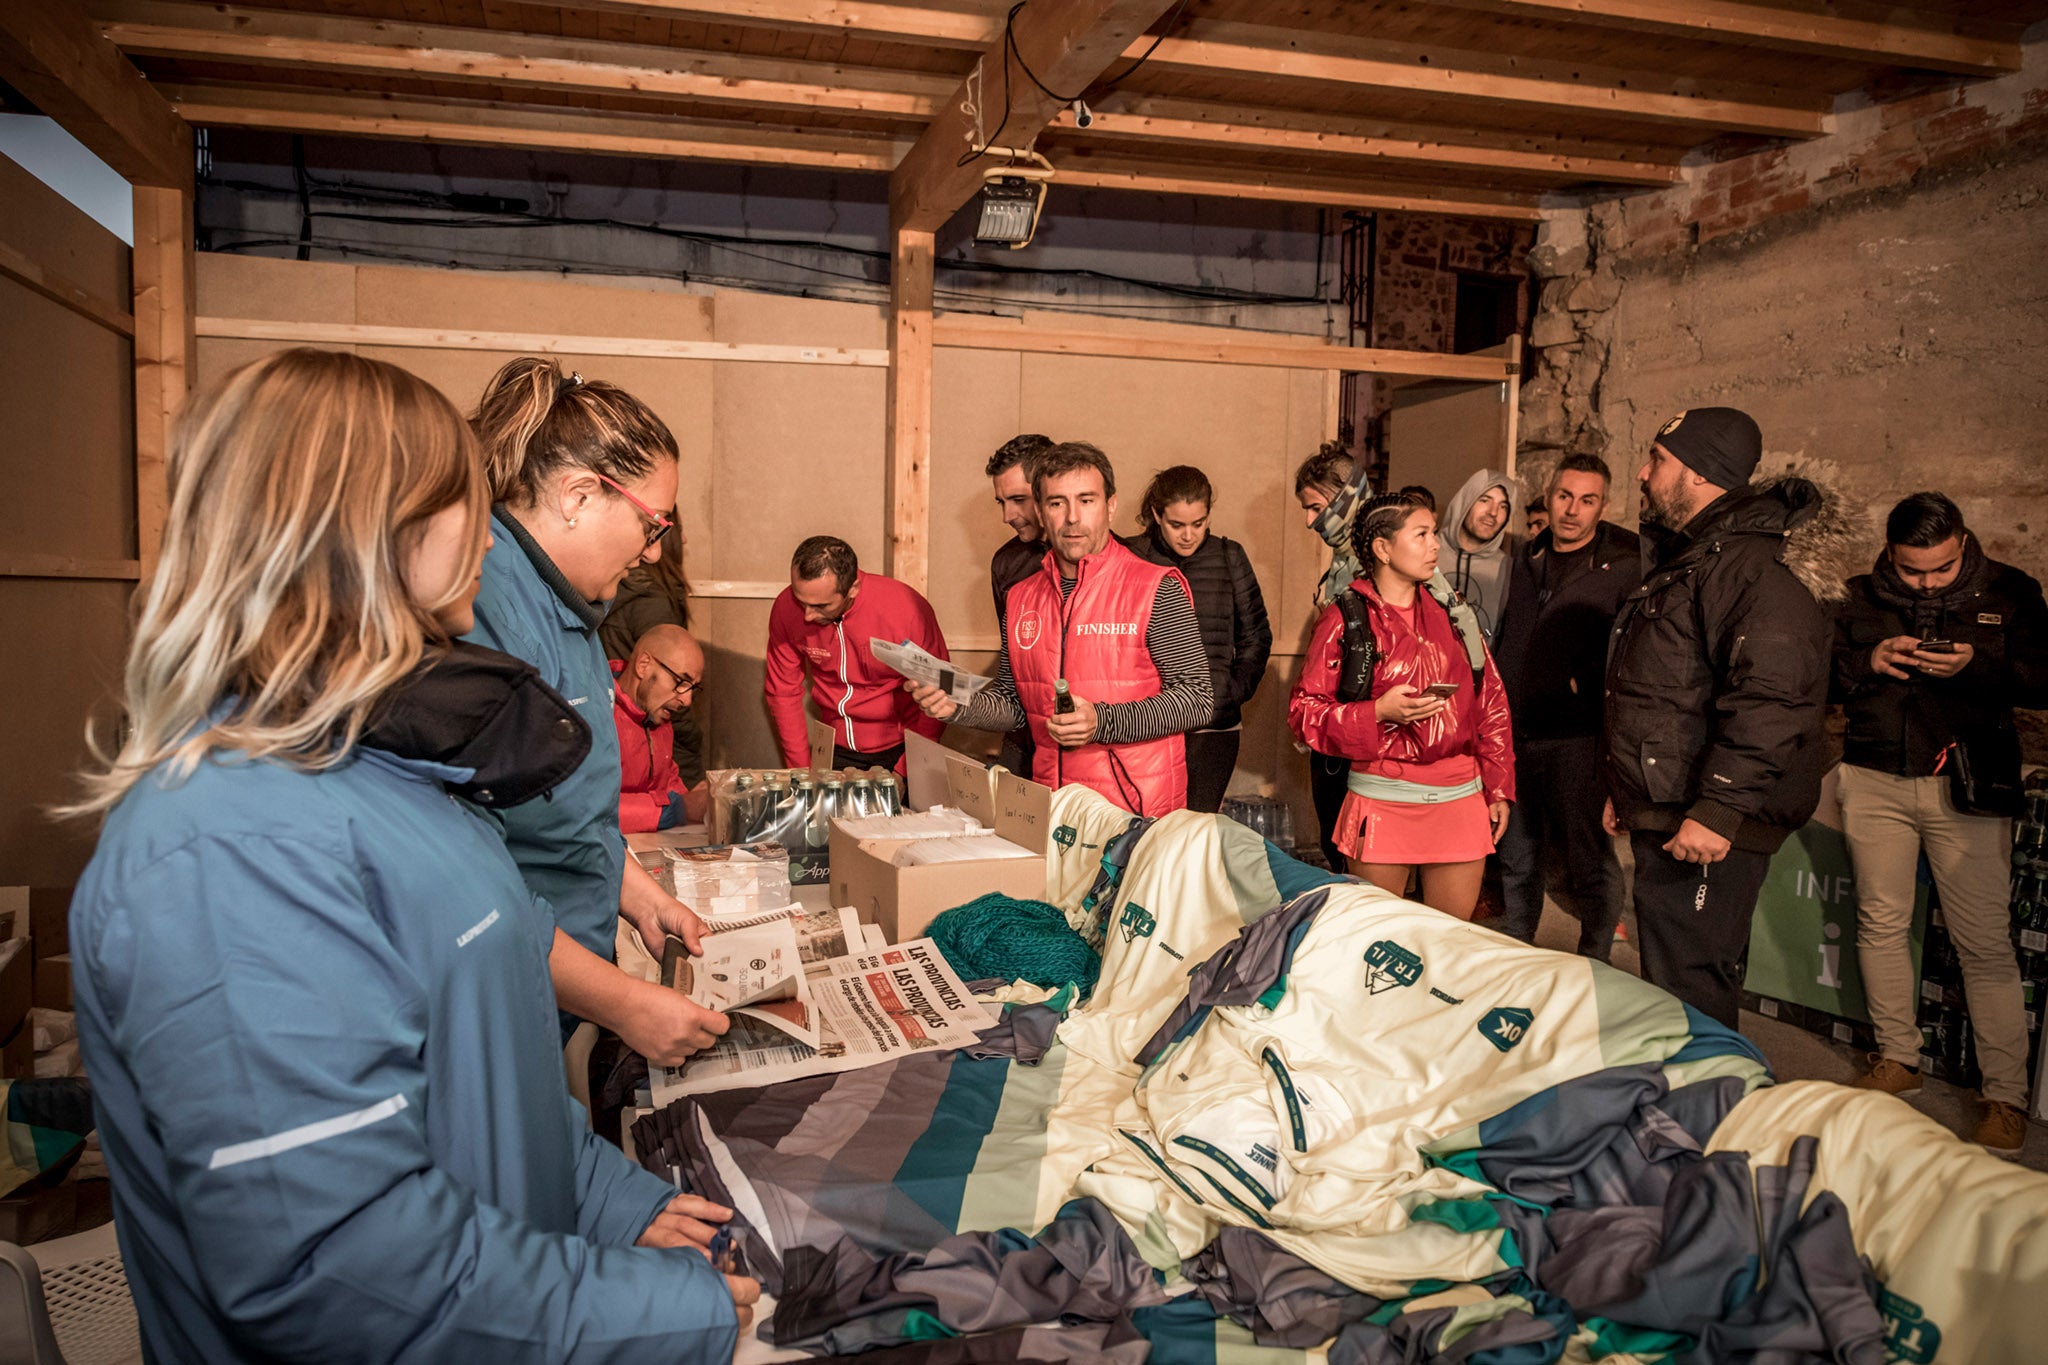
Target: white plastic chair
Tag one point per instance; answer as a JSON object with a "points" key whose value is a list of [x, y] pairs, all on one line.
{"points": [[66, 1302]]}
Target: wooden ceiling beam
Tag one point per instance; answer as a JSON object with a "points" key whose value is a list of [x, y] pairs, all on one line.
{"points": [[1290, 187], [1394, 146], [1879, 35], [549, 128], [1217, 47], [50, 52], [970, 24], [373, 47], [1066, 44]]}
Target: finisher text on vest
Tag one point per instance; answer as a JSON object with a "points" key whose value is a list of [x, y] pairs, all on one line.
{"points": [[1106, 628]]}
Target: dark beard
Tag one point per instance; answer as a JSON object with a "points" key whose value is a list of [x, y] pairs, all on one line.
{"points": [[1653, 513]]}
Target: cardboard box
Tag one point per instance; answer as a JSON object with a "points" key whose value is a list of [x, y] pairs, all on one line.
{"points": [[904, 900], [17, 984], [14, 912], [53, 982]]}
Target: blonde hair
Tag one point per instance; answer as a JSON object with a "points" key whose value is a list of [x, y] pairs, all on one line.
{"points": [[300, 485], [534, 420]]}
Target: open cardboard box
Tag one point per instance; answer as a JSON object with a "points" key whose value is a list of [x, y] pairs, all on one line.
{"points": [[904, 900]]}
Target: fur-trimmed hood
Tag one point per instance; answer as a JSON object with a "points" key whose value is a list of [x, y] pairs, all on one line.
{"points": [[1822, 539]]}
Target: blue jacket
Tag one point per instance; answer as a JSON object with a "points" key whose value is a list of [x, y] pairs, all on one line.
{"points": [[318, 1019], [567, 844]]}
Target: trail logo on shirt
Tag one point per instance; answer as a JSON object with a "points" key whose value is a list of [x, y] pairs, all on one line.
{"points": [[1388, 964], [1065, 835], [1028, 630], [1505, 1027], [1137, 922], [1908, 1335]]}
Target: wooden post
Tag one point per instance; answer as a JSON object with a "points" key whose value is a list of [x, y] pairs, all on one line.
{"points": [[1511, 409], [908, 487], [163, 350]]}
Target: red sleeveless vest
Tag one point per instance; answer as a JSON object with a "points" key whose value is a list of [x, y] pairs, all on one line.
{"points": [[1096, 641]]}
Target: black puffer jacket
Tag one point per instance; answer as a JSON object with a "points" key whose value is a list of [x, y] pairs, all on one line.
{"points": [[1901, 726], [1231, 611], [1551, 646], [1718, 676]]}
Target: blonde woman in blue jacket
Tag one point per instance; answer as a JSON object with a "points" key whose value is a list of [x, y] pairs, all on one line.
{"points": [[312, 988]]}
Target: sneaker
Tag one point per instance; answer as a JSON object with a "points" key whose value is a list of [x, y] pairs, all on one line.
{"points": [[2003, 1129], [1889, 1076]]}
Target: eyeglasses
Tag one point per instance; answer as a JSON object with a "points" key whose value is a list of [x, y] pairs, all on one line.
{"points": [[660, 522], [684, 682]]}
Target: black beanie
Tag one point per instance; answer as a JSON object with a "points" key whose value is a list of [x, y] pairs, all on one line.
{"points": [[1721, 445]]}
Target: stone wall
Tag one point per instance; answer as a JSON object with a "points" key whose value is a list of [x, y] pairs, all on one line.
{"points": [[1877, 298]]}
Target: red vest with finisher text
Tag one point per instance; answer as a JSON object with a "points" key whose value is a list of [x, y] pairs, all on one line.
{"points": [[1096, 641]]}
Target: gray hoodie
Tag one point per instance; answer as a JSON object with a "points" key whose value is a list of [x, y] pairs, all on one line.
{"points": [[1480, 576]]}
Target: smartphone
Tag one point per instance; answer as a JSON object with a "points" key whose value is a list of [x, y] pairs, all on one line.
{"points": [[1935, 647], [1442, 689]]}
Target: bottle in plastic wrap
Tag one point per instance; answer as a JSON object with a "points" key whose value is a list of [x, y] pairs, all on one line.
{"points": [[891, 798], [860, 798]]}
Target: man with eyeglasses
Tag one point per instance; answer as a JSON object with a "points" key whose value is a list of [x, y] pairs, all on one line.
{"points": [[820, 625], [655, 682]]}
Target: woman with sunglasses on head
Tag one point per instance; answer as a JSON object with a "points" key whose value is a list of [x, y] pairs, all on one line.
{"points": [[579, 472], [1421, 716], [311, 985]]}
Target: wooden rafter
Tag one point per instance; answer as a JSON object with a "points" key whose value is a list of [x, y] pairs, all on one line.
{"points": [[1066, 44], [1392, 145], [1291, 187], [1300, 54], [945, 23], [487, 123], [372, 47], [1878, 34], [50, 52]]}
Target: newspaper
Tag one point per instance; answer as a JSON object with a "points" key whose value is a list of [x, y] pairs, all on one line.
{"points": [[870, 1007], [756, 973], [919, 665]]}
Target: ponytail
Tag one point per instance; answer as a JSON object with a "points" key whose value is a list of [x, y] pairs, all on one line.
{"points": [[534, 420]]}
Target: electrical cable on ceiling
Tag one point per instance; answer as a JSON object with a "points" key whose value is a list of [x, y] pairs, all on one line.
{"points": [[752, 248], [1011, 52]]}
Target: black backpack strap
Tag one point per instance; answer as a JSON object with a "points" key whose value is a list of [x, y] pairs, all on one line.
{"points": [[1361, 651]]}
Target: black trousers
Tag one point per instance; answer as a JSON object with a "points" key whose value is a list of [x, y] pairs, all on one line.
{"points": [[1328, 784], [887, 759], [1212, 758], [1693, 921], [1554, 843], [1016, 752]]}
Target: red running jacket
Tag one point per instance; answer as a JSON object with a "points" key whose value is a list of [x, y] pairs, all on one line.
{"points": [[862, 699], [647, 761], [1097, 642], [1474, 723]]}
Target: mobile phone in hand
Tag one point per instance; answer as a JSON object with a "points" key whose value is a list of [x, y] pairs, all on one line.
{"points": [[1445, 690], [1935, 647]]}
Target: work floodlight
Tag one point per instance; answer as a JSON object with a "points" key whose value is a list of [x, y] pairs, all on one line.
{"points": [[1011, 198]]}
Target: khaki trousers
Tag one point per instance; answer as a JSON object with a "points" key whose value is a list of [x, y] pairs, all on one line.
{"points": [[1888, 820]]}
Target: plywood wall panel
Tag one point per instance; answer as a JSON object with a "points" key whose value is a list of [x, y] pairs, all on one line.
{"points": [[67, 444], [976, 397], [232, 286], [59, 237]]}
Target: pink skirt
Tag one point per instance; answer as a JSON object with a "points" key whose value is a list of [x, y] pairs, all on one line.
{"points": [[1412, 834]]}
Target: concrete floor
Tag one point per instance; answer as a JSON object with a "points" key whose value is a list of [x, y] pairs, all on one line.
{"points": [[1796, 1055]]}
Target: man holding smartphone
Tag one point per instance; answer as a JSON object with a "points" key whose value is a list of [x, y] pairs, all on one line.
{"points": [[1933, 650]]}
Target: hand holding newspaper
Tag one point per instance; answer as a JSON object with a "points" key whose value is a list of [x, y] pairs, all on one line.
{"points": [[869, 1006], [752, 973], [920, 665]]}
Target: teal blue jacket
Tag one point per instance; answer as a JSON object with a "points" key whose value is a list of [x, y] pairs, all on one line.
{"points": [[567, 844], [317, 1015]]}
